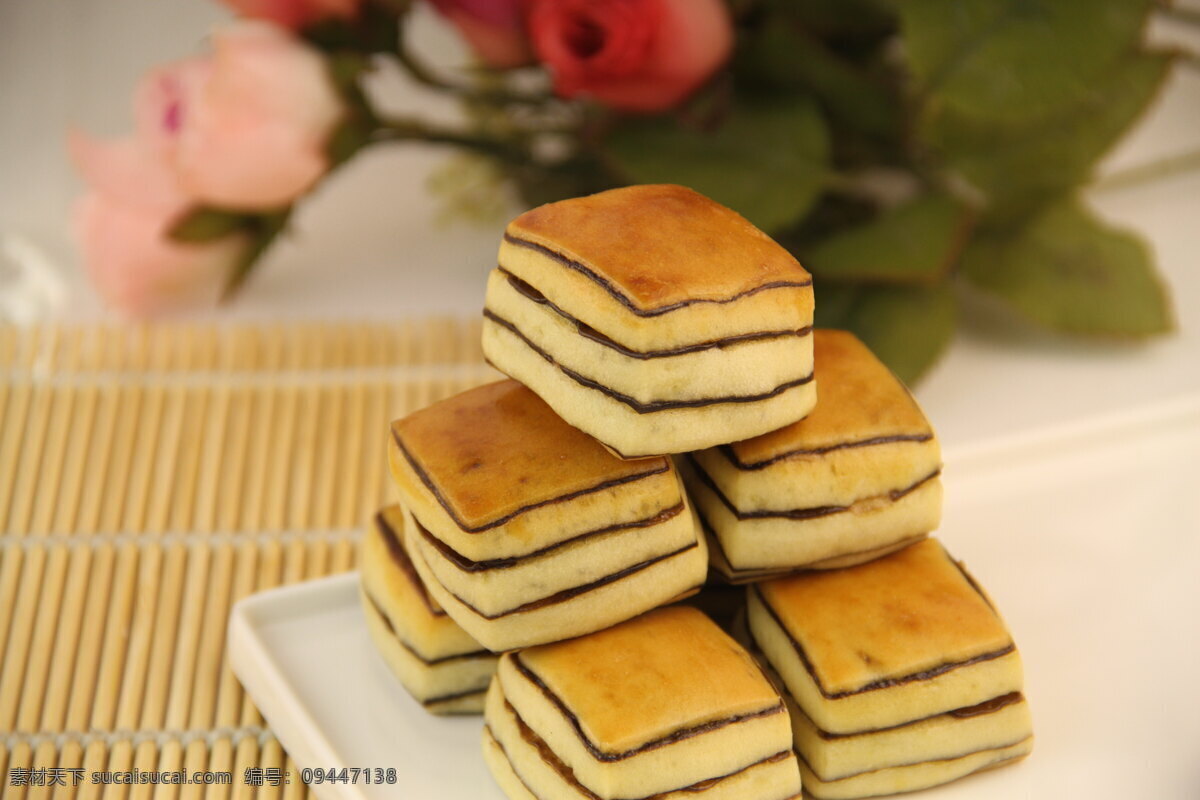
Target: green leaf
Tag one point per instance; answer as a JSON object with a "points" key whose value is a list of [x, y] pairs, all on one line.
{"points": [[1069, 271], [1003, 59], [206, 224], [788, 57], [917, 242], [767, 160], [266, 228], [908, 327], [1018, 164]]}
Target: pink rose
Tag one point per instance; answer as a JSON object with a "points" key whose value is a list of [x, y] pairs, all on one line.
{"points": [[635, 55], [247, 127], [122, 224], [295, 14], [495, 29]]}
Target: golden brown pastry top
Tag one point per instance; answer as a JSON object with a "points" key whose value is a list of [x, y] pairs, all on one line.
{"points": [[659, 245], [894, 617], [642, 680], [859, 399], [497, 449]]}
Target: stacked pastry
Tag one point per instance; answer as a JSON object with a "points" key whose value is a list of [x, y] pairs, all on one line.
{"points": [[900, 673], [665, 705], [436, 660], [653, 319], [855, 479], [527, 530]]}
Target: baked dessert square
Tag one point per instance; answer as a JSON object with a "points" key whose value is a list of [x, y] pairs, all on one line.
{"points": [[900, 673], [653, 318], [855, 479], [527, 530], [663, 705], [436, 660]]}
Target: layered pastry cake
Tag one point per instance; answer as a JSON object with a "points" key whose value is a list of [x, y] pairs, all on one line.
{"points": [[665, 705], [653, 319], [526, 530], [436, 660], [900, 673], [854, 480]]}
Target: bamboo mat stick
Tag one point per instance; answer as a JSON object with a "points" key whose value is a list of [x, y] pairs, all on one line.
{"points": [[11, 436], [49, 480], [296, 790], [330, 436], [21, 757], [158, 513], [345, 510], [170, 758], [317, 559], [158, 680], [69, 757], [183, 496], [44, 755], [94, 488], [145, 758], [95, 757], [37, 669], [262, 410], [124, 436], [233, 468], [229, 691], [212, 639], [372, 472], [195, 758], [187, 640], [293, 562], [211, 460], [91, 639], [279, 463], [19, 636], [120, 759], [246, 755], [12, 556], [345, 555], [303, 457], [143, 463], [66, 509], [112, 658], [220, 759], [137, 659], [272, 758], [67, 640]]}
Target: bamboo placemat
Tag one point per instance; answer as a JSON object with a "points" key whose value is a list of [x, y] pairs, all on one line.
{"points": [[149, 477]]}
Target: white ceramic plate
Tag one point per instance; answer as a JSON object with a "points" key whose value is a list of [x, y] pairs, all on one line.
{"points": [[1088, 540]]}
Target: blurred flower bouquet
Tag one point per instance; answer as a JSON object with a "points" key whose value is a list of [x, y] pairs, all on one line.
{"points": [[904, 151]]}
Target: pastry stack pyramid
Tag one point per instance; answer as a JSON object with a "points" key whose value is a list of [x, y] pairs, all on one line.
{"points": [[663, 428]]}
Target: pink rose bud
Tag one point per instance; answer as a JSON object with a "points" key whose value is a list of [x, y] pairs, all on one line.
{"points": [[295, 14], [495, 29], [123, 225], [247, 127], [635, 55]]}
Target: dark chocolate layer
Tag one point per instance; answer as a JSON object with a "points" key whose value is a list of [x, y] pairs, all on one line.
{"points": [[429, 662], [884, 683], [567, 594], [554, 762], [437, 494], [589, 332], [795, 513], [400, 558], [654, 744], [727, 450], [445, 698], [635, 404], [624, 300], [982, 767], [978, 710], [467, 565]]}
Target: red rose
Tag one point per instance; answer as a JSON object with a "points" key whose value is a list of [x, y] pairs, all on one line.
{"points": [[636, 55]]}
